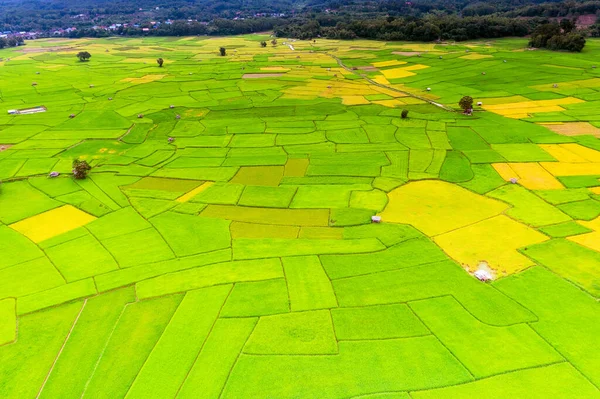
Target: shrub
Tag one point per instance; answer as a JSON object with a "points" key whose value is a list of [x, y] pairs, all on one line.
{"points": [[404, 114], [263, 44], [80, 168], [466, 103], [223, 51], [160, 62], [557, 37], [83, 56]]}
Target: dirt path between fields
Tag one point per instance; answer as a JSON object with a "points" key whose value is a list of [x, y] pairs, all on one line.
{"points": [[261, 75]]}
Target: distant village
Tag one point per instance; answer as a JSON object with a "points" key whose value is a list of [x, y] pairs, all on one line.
{"points": [[116, 28]]}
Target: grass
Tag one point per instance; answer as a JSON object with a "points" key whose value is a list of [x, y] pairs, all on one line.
{"points": [[570, 260], [435, 207], [8, 328], [26, 362], [308, 285], [185, 234], [377, 322], [225, 246], [182, 340], [220, 352], [86, 344], [560, 380], [465, 336], [494, 241], [258, 298], [214, 274], [134, 336], [298, 333], [527, 207], [97, 260], [566, 315]]}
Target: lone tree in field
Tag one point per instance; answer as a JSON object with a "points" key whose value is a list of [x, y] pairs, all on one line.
{"points": [[404, 114], [466, 103], [80, 168], [223, 51], [83, 56], [263, 44], [160, 62]]}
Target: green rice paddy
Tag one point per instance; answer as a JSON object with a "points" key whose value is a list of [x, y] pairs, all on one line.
{"points": [[222, 245]]}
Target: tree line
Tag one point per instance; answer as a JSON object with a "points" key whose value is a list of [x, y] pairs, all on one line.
{"points": [[557, 36], [389, 20], [428, 28], [11, 41]]}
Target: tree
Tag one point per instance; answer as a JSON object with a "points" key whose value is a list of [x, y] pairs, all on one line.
{"points": [[160, 62], [274, 42], [80, 168], [83, 56], [466, 103], [404, 114], [263, 44], [567, 25], [223, 51], [574, 42], [543, 33], [557, 37]]}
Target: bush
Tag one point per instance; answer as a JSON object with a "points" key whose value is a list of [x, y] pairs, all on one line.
{"points": [[574, 42], [160, 62], [466, 103], [223, 51], [263, 44], [83, 56], [80, 168], [404, 114], [550, 36]]}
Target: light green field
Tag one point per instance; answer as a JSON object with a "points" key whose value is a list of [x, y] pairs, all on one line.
{"points": [[222, 244]]}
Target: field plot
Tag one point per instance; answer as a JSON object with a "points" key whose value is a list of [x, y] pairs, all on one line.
{"points": [[267, 224]]}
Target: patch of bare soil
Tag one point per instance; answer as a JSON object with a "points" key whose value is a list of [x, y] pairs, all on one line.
{"points": [[406, 53], [587, 20], [574, 129], [261, 75], [368, 68], [4, 147], [45, 49]]}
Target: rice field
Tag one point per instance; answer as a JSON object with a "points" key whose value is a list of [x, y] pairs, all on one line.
{"points": [[223, 244]]}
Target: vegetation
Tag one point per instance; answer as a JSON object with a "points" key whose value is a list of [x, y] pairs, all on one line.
{"points": [[224, 245], [554, 36], [160, 62], [430, 28], [83, 56], [466, 103], [80, 168], [11, 41], [222, 51], [423, 20]]}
